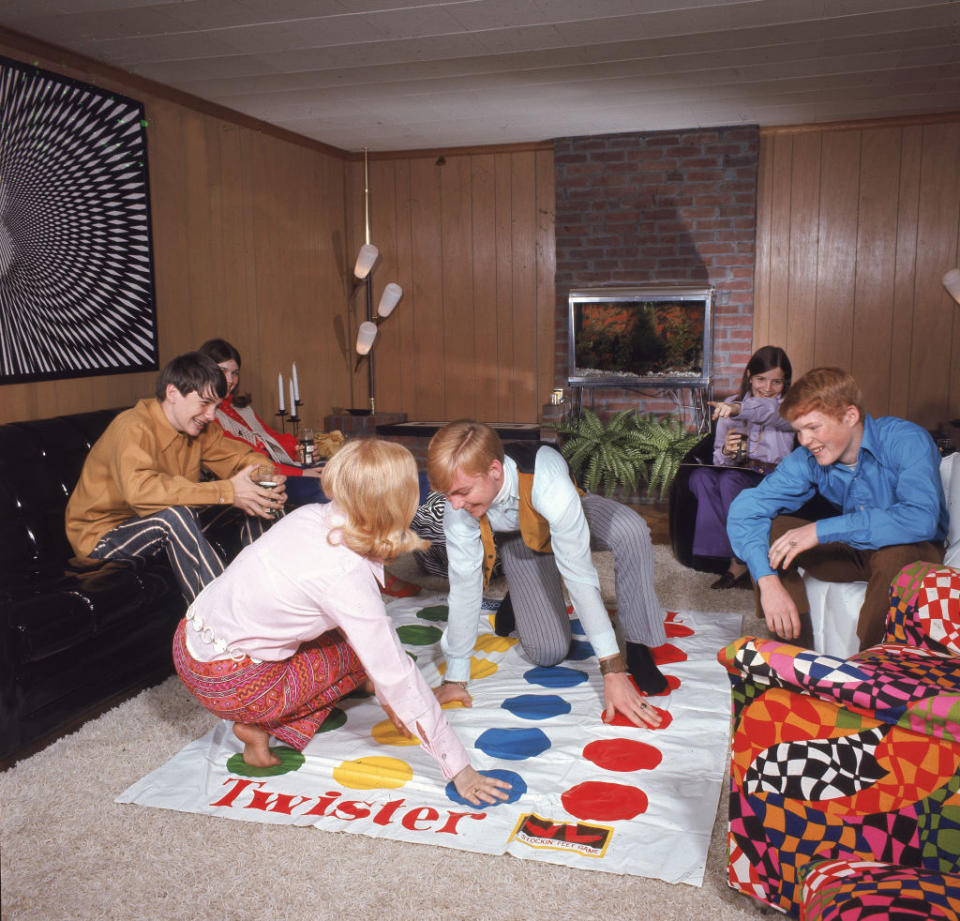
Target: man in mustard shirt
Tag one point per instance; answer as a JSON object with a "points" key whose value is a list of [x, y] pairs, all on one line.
{"points": [[140, 492]]}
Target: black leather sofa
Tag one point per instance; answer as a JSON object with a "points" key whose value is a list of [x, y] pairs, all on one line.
{"points": [[73, 635]]}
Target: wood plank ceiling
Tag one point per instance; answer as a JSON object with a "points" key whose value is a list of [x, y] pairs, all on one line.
{"points": [[410, 74]]}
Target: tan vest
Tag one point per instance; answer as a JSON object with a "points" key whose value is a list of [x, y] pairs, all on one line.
{"points": [[534, 528]]}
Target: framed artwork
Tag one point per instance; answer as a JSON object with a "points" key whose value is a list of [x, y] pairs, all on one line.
{"points": [[76, 254]]}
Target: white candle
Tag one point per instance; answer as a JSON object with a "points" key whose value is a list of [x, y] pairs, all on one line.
{"points": [[296, 382], [280, 388], [293, 402]]}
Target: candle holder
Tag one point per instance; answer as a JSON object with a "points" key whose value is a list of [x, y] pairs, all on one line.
{"points": [[295, 417], [282, 413]]}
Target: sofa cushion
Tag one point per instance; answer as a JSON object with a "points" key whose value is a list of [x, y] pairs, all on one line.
{"points": [[901, 685], [925, 608], [858, 890]]}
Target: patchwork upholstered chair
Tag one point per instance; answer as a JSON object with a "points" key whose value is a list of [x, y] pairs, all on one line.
{"points": [[850, 760]]}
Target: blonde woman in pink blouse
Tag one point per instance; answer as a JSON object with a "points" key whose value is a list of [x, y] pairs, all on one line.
{"points": [[297, 621]]}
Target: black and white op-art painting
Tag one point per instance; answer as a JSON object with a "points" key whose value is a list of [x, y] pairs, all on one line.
{"points": [[76, 258]]}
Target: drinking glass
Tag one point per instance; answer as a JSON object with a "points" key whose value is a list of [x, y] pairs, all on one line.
{"points": [[268, 477]]}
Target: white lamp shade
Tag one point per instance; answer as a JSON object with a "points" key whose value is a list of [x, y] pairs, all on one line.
{"points": [[951, 281], [389, 299], [365, 260], [365, 336]]}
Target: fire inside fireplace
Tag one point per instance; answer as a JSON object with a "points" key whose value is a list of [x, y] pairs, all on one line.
{"points": [[640, 335]]}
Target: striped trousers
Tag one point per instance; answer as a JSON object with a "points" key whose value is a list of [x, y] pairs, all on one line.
{"points": [[536, 589], [179, 531]]}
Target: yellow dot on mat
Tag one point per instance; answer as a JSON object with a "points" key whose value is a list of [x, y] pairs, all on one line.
{"points": [[479, 668], [386, 734], [373, 773], [490, 642], [453, 705]]}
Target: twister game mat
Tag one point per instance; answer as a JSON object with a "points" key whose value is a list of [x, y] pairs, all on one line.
{"points": [[584, 793]]}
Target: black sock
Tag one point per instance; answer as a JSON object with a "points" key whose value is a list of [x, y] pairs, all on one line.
{"points": [[648, 677], [504, 623]]}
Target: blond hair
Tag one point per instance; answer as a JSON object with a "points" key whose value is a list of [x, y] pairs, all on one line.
{"points": [[374, 484], [465, 445], [826, 390]]}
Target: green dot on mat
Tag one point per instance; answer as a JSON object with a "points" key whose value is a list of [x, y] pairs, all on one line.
{"points": [[419, 634], [335, 719], [437, 612], [290, 760]]}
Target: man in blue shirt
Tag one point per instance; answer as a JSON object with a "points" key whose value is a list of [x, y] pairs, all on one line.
{"points": [[883, 478], [544, 529]]}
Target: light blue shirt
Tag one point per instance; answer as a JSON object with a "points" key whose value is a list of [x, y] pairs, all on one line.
{"points": [[893, 496], [555, 497]]}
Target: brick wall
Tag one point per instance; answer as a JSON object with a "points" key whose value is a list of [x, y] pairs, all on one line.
{"points": [[673, 207]]}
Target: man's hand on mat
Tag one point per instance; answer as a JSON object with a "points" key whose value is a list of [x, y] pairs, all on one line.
{"points": [[477, 788], [779, 609], [619, 694], [398, 723], [447, 692]]}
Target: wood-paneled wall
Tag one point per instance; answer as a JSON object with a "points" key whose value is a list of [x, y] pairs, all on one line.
{"points": [[249, 234], [470, 238], [856, 226]]}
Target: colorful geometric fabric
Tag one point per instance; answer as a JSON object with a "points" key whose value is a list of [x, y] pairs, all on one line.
{"points": [[901, 685], [925, 608], [866, 890], [849, 760], [291, 698]]}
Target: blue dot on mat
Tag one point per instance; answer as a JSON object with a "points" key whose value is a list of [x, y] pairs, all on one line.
{"points": [[577, 627], [536, 706], [517, 789], [580, 650], [512, 744], [556, 677]]}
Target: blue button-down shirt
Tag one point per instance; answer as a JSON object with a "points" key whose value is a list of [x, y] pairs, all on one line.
{"points": [[893, 496]]}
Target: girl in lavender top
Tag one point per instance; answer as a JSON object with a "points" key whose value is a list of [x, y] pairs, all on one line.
{"points": [[751, 439], [296, 621]]}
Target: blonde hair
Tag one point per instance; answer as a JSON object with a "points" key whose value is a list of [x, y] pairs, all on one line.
{"points": [[826, 390], [465, 445], [374, 484]]}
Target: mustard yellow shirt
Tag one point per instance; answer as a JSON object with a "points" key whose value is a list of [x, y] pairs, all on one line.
{"points": [[142, 465]]}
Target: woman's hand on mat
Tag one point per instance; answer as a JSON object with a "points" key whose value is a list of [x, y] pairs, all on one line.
{"points": [[786, 547], [446, 693], [779, 609], [620, 695], [398, 723], [478, 789]]}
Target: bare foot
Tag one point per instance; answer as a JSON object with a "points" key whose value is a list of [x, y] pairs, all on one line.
{"points": [[256, 745]]}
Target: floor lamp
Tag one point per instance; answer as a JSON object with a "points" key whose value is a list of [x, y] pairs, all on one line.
{"points": [[389, 298], [951, 281]]}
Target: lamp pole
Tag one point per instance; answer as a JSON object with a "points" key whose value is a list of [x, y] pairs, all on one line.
{"points": [[369, 278]]}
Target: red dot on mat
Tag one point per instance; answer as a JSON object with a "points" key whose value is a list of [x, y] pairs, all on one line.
{"points": [[604, 802], [622, 755], [620, 720], [667, 653], [676, 630], [673, 682]]}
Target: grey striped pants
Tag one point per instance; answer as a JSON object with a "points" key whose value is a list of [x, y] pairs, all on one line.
{"points": [[535, 585], [178, 530]]}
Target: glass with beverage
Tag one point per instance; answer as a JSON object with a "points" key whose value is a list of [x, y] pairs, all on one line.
{"points": [[268, 477]]}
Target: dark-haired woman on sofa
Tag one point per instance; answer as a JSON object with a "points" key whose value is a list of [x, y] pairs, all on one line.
{"points": [[750, 440]]}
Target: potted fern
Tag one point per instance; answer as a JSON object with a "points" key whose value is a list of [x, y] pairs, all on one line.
{"points": [[630, 451]]}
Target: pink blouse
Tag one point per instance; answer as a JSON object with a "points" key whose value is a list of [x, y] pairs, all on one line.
{"points": [[292, 585]]}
